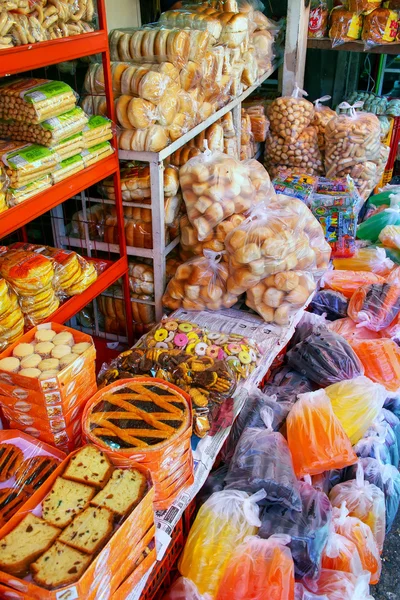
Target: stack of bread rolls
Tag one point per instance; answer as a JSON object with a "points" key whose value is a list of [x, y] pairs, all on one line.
{"points": [[135, 184], [190, 245]]}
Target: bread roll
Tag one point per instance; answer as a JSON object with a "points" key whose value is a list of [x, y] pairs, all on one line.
{"points": [[141, 113]]}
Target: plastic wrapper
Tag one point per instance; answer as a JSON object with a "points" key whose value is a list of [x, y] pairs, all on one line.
{"points": [[377, 443], [303, 152], [93, 155], [290, 115], [259, 568], [12, 318], [366, 259], [94, 105], [318, 21], [214, 187], [390, 236], [323, 114], [365, 175], [261, 181], [337, 585], [184, 589], [391, 482], [351, 140], [262, 461], [48, 133], [25, 163], [341, 554], [363, 6], [346, 26], [308, 529], [67, 168], [200, 283], [94, 80], [279, 297], [361, 535], [372, 470], [315, 436], [348, 282], [152, 139], [325, 358], [364, 501], [135, 183], [375, 306], [295, 185], [380, 27], [70, 147], [301, 593], [222, 523], [373, 228], [259, 122], [98, 130], [352, 331], [356, 403], [190, 245]]}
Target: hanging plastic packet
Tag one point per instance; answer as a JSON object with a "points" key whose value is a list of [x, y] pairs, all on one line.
{"points": [[318, 20], [332, 304], [346, 26], [262, 461], [259, 569], [381, 361], [352, 331], [361, 535], [184, 589], [371, 259], [307, 529], [323, 114], [348, 282], [356, 403], [325, 358], [364, 501], [341, 554], [338, 585], [372, 228], [222, 523]]}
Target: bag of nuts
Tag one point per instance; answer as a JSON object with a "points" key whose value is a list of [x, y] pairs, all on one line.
{"points": [[322, 116], [302, 152], [351, 139], [200, 283], [290, 115], [215, 186], [278, 297]]}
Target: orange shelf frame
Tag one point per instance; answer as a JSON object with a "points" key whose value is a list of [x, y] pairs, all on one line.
{"points": [[23, 213]]}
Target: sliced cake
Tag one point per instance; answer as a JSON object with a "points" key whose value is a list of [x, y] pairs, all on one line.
{"points": [[65, 500], [123, 491], [90, 530], [59, 566], [25, 543], [90, 466]]}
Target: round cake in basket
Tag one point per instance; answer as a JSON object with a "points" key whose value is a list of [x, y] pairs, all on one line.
{"points": [[137, 414]]}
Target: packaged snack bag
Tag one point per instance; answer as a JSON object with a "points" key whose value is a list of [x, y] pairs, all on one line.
{"points": [[363, 6], [315, 436], [380, 27], [348, 282], [356, 403], [381, 361], [364, 501], [318, 20], [330, 303], [346, 26], [259, 569], [222, 523], [366, 259]]}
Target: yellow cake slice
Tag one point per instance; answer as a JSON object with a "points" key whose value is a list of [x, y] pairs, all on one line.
{"points": [[59, 566], [90, 530], [25, 543], [90, 466], [123, 491], [65, 500]]}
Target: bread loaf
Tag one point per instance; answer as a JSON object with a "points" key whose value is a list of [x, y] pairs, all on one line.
{"points": [[346, 26], [380, 26]]}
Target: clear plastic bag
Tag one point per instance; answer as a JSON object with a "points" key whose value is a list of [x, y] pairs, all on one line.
{"points": [[324, 482], [348, 282], [24, 164], [372, 469], [351, 331], [323, 114], [214, 186], [308, 529], [373, 228], [262, 461], [341, 554], [190, 245], [375, 306], [315, 436], [318, 20], [330, 303], [222, 523], [364, 501], [259, 569], [310, 323], [303, 152], [390, 236], [338, 585], [11, 317], [392, 403], [346, 26], [380, 26], [356, 403], [290, 115], [279, 297], [301, 593], [184, 589], [371, 259], [387, 429], [261, 181], [325, 358], [200, 283]]}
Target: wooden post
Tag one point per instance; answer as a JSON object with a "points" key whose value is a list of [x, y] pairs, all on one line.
{"points": [[296, 45]]}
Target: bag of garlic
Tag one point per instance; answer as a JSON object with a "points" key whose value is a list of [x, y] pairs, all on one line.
{"points": [[214, 187], [200, 283], [290, 115]]}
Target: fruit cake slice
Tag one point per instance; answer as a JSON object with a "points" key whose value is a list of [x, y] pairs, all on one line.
{"points": [[65, 500], [90, 466], [25, 543], [90, 530], [123, 491], [59, 566]]}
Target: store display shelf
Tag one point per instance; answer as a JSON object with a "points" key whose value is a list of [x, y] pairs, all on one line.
{"points": [[110, 337], [23, 213], [114, 248], [42, 54], [155, 157], [356, 46], [133, 204], [106, 278], [118, 295]]}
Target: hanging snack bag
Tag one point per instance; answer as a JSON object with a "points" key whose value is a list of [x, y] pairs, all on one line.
{"points": [[290, 115], [375, 306], [322, 116], [346, 26]]}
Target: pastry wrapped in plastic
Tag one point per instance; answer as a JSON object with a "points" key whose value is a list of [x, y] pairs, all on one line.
{"points": [[262, 461], [380, 26], [214, 187], [290, 115], [308, 529], [341, 554], [135, 183], [325, 358], [322, 116], [184, 589], [337, 585], [279, 297], [24, 163], [190, 245], [381, 361], [316, 437], [364, 501], [330, 303], [98, 130], [91, 156], [200, 283], [11, 317], [362, 537], [348, 282], [259, 569], [346, 26], [356, 403], [222, 523]]}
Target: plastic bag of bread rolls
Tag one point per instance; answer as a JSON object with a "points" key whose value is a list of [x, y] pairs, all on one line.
{"points": [[187, 18], [261, 181], [190, 245], [346, 26], [200, 283], [135, 183], [278, 297], [380, 27], [94, 105], [94, 80], [290, 115], [302, 152], [351, 139], [322, 116], [214, 187]]}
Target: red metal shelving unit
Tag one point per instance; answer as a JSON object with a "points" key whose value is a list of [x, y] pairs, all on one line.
{"points": [[40, 55]]}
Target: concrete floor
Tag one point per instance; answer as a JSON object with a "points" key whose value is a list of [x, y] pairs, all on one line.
{"points": [[389, 586]]}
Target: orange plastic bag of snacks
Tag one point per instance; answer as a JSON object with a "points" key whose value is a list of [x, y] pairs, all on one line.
{"points": [[380, 27], [315, 436], [363, 6], [348, 282], [318, 21], [350, 330], [381, 361], [375, 306], [341, 554]]}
